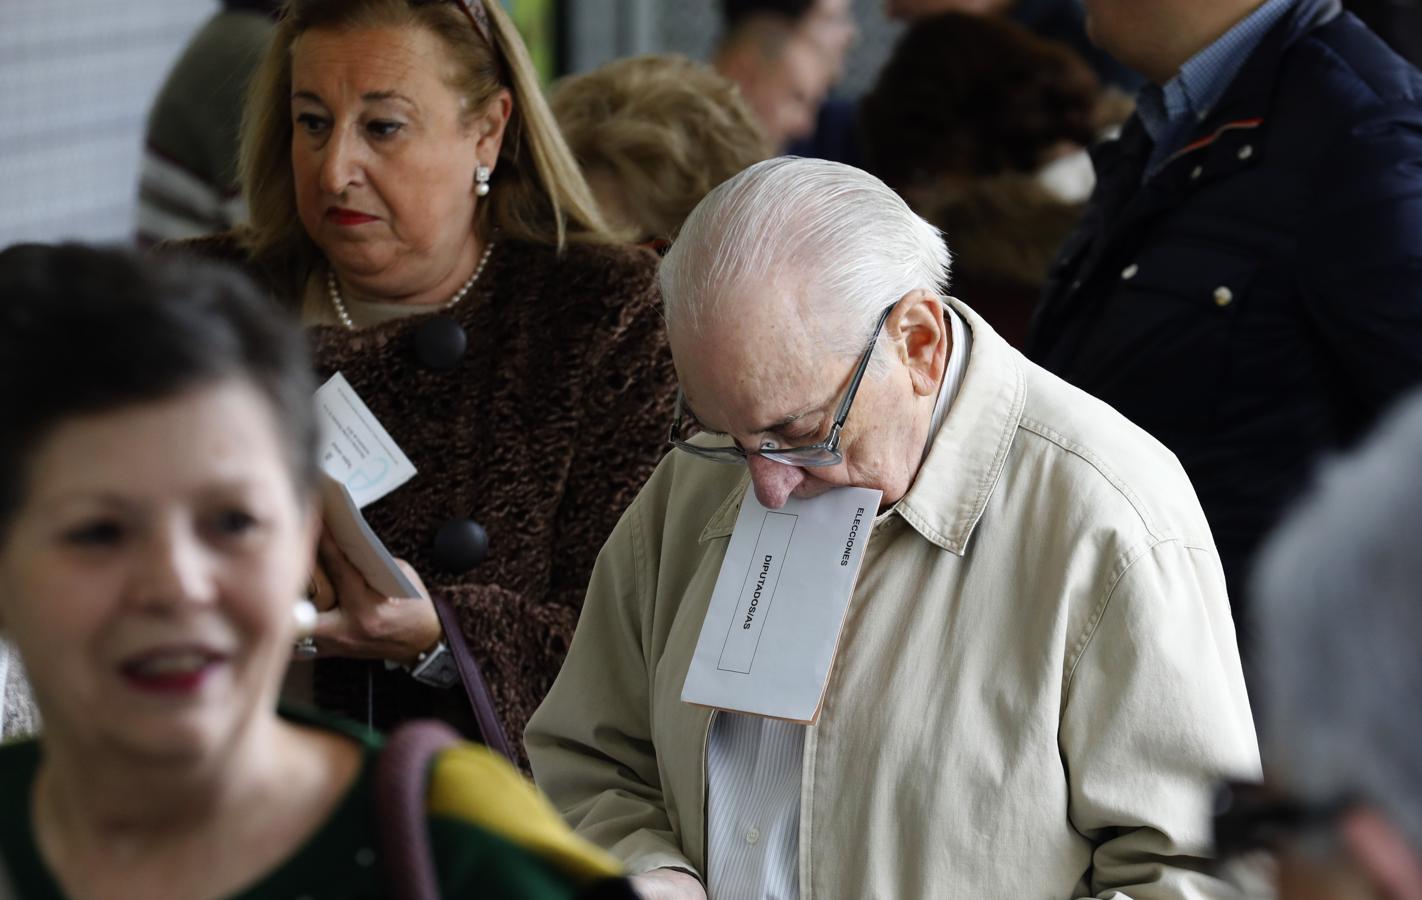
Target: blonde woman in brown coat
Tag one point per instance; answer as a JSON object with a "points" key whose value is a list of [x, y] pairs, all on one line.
{"points": [[411, 197]]}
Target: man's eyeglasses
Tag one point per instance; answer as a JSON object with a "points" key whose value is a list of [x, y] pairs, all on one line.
{"points": [[821, 453]]}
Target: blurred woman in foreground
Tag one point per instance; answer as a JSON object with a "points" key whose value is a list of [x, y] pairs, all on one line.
{"points": [[157, 525]]}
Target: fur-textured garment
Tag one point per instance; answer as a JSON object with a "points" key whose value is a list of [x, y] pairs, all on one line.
{"points": [[18, 716], [543, 434]]}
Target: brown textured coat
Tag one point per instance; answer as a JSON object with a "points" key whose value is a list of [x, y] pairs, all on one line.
{"points": [[543, 434]]}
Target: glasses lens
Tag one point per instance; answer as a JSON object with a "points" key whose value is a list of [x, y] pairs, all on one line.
{"points": [[805, 457], [728, 455]]}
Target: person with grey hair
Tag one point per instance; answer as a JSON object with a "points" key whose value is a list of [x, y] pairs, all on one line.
{"points": [[1036, 682], [1340, 673]]}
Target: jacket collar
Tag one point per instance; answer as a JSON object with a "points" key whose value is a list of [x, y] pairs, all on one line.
{"points": [[723, 521], [1245, 102], [966, 457], [1249, 95]]}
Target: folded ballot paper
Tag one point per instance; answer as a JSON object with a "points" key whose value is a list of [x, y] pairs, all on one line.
{"points": [[773, 626], [360, 463], [359, 543]]}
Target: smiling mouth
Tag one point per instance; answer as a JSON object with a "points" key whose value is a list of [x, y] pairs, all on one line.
{"points": [[178, 671]]}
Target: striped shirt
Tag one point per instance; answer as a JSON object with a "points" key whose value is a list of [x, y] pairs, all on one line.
{"points": [[754, 764], [1170, 111]]}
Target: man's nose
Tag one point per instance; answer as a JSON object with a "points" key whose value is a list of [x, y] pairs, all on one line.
{"points": [[773, 481]]}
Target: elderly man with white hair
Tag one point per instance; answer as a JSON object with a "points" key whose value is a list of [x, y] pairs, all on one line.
{"points": [[1036, 681]]}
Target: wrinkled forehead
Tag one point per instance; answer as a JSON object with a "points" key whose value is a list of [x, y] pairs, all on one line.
{"points": [[409, 60], [754, 347]]}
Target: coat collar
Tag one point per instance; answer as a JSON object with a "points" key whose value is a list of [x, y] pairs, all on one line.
{"points": [[965, 458], [1245, 103], [1252, 89]]}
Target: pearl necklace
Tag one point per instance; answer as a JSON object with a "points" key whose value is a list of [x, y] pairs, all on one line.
{"points": [[340, 307]]}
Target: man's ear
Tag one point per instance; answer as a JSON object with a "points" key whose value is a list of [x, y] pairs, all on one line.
{"points": [[920, 335], [1387, 859], [489, 127]]}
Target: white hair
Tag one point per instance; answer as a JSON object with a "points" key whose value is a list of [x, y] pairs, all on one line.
{"points": [[837, 231], [1338, 611]]}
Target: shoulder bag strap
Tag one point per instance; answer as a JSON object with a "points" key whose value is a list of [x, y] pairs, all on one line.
{"points": [[475, 688], [401, 786]]}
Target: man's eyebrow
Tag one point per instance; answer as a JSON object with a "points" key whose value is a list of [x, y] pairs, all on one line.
{"points": [[774, 426], [788, 420]]}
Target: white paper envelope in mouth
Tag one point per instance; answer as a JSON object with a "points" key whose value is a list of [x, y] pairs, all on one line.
{"points": [[772, 628]]}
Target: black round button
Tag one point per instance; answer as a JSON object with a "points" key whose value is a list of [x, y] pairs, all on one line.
{"points": [[440, 342], [460, 545]]}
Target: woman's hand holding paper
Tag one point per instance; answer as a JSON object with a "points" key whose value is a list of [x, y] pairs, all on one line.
{"points": [[358, 621]]}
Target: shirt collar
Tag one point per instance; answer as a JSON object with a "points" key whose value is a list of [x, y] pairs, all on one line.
{"points": [[1168, 111]]}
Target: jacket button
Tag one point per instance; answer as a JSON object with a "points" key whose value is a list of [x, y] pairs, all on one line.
{"points": [[460, 545], [1223, 296], [1246, 151], [1129, 272], [1196, 172]]}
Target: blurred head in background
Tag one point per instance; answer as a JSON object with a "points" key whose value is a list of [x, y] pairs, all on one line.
{"points": [[654, 134], [982, 127], [1338, 594], [828, 23], [964, 97], [782, 74]]}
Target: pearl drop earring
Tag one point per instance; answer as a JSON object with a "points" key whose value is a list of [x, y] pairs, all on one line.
{"points": [[305, 614], [481, 180]]}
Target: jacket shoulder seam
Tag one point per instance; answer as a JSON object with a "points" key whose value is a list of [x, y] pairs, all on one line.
{"points": [[1060, 440], [1093, 623]]}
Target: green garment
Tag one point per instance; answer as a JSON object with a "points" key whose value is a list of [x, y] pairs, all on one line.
{"points": [[340, 862]]}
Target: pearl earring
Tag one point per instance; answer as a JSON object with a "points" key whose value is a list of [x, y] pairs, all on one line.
{"points": [[481, 180], [305, 614]]}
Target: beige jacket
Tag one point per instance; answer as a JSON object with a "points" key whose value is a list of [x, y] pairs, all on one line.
{"points": [[1036, 684]]}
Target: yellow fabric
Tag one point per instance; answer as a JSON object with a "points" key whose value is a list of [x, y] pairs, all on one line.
{"points": [[472, 784]]}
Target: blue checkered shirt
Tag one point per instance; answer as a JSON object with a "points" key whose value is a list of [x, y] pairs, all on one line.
{"points": [[1169, 112]]}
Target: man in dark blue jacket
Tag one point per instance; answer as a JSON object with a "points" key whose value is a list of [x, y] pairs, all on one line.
{"points": [[1247, 282]]}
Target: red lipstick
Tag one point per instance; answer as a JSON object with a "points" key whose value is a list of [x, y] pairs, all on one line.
{"points": [[174, 671], [347, 217]]}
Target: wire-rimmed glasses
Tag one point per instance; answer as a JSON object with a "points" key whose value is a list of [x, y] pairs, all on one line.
{"points": [[821, 453]]}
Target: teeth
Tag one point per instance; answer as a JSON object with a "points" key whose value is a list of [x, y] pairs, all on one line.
{"points": [[171, 664]]}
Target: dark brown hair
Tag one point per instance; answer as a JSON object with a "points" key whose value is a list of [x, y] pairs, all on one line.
{"points": [[973, 95], [86, 330]]}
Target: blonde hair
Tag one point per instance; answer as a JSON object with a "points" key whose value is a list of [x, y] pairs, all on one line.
{"points": [[539, 193], [665, 128]]}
